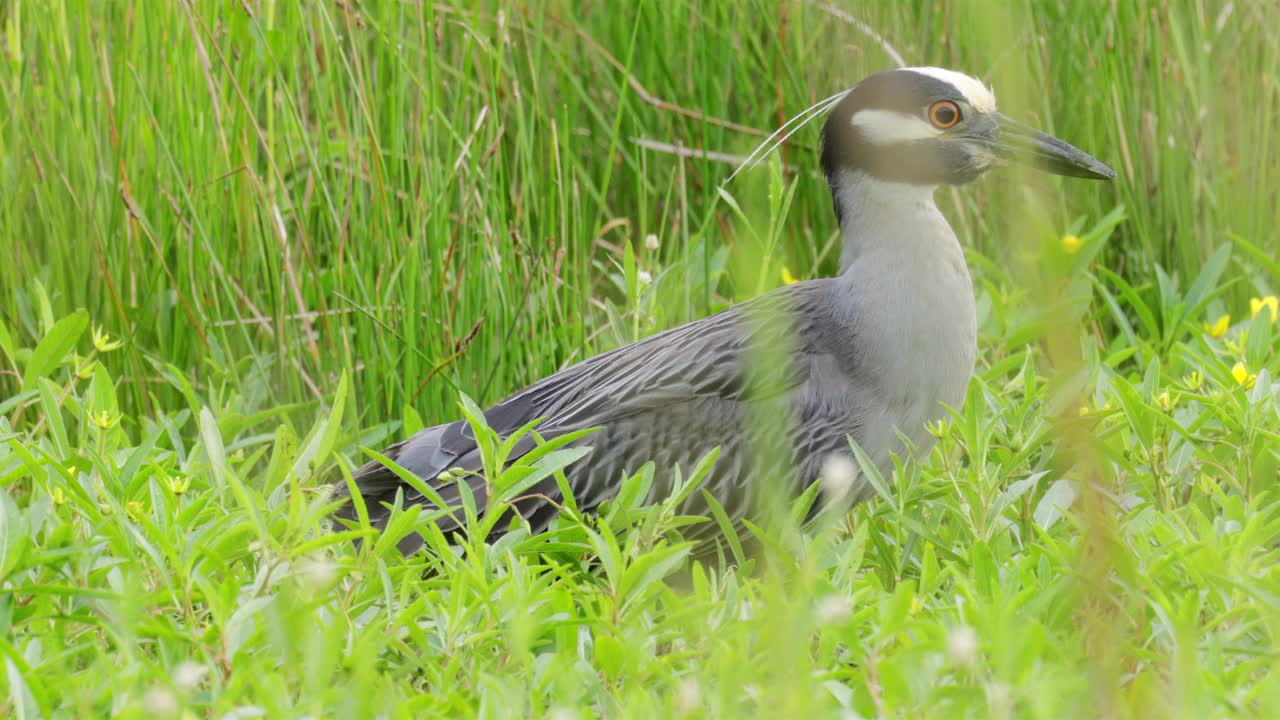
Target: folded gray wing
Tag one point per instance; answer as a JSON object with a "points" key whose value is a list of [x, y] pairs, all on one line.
{"points": [[669, 388]]}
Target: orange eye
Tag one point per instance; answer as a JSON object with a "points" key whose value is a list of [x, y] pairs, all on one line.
{"points": [[944, 114]]}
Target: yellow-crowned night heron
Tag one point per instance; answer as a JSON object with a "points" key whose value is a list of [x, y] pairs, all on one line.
{"points": [[870, 353]]}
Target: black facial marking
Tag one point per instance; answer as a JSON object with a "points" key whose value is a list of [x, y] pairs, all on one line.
{"points": [[932, 161]]}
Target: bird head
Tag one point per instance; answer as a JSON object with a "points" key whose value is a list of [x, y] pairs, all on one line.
{"points": [[927, 126]]}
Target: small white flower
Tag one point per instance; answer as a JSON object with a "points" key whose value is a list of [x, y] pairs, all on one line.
{"points": [[688, 696], [651, 242], [962, 646], [160, 702], [318, 575], [188, 675], [999, 699], [562, 713], [244, 712], [833, 609], [643, 277], [838, 475]]}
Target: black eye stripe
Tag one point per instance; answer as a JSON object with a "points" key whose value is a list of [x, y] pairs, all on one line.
{"points": [[923, 162]]}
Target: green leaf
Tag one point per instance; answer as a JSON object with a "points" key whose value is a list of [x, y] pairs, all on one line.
{"points": [[871, 474], [15, 539], [7, 346], [412, 422], [1016, 490], [985, 573], [53, 413], [609, 654], [224, 476], [1142, 417], [102, 392], [284, 447], [1258, 345], [546, 465], [406, 477], [242, 623], [1265, 258], [55, 347], [1205, 287], [1151, 329], [26, 701], [727, 530], [486, 439], [652, 567], [323, 434], [1055, 501]]}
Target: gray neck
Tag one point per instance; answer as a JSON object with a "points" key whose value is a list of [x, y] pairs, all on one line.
{"points": [[878, 216], [905, 304]]}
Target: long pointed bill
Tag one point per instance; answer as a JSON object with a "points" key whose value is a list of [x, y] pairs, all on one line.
{"points": [[1046, 152]]}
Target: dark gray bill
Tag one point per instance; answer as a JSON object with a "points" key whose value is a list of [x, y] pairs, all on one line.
{"points": [[1044, 151]]}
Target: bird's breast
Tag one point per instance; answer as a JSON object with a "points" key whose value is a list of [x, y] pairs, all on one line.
{"points": [[912, 333]]}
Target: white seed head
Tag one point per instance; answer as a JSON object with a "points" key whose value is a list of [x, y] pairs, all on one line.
{"points": [[318, 574], [160, 702], [643, 277], [999, 699], [962, 646], [834, 609], [838, 475], [244, 712], [688, 696], [188, 675], [651, 242]]}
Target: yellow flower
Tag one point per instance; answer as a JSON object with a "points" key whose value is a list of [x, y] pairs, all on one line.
{"points": [[787, 277], [84, 369], [1242, 375], [916, 605], [59, 497], [179, 484], [937, 428], [105, 420], [1270, 302], [103, 343], [1071, 243], [1086, 411], [1164, 401], [1219, 326]]}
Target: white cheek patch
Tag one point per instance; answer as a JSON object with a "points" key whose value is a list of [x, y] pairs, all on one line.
{"points": [[978, 95], [886, 127]]}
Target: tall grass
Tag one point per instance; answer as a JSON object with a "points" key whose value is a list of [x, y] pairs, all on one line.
{"points": [[303, 187], [312, 224]]}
